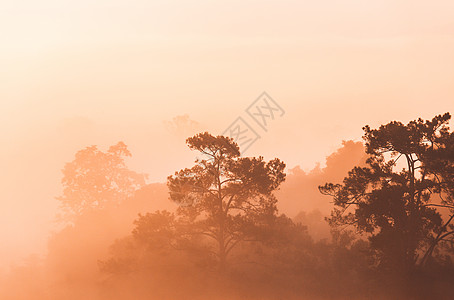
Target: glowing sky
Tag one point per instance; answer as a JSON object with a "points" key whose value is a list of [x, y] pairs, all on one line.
{"points": [[76, 73]]}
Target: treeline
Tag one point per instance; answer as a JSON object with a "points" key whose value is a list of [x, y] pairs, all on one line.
{"points": [[223, 237]]}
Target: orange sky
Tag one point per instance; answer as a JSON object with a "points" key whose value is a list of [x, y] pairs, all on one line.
{"points": [[79, 73]]}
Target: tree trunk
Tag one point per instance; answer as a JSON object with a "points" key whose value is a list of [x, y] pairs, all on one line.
{"points": [[222, 250]]}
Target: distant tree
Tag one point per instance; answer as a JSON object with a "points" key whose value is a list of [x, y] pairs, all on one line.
{"points": [[157, 230], [164, 234], [225, 197], [96, 179], [396, 207], [182, 126], [153, 237]]}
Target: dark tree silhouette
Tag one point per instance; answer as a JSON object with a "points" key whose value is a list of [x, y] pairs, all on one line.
{"points": [[438, 162], [225, 197], [396, 207], [95, 179]]}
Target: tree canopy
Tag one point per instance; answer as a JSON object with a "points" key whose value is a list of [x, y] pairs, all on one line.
{"points": [[397, 208], [96, 179], [225, 197]]}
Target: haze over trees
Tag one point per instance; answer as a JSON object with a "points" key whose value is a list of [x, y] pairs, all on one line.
{"points": [[214, 230], [97, 179], [396, 204]]}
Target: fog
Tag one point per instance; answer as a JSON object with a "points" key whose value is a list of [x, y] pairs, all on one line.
{"points": [[70, 268], [151, 74]]}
